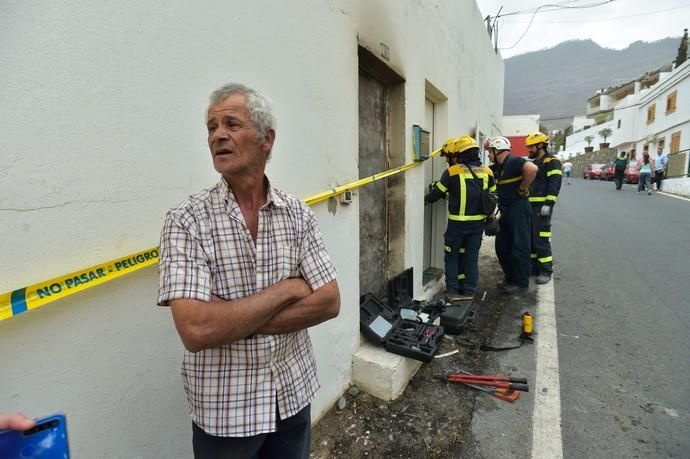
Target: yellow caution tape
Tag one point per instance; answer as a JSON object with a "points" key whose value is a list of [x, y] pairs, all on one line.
{"points": [[311, 200], [37, 295], [34, 296]]}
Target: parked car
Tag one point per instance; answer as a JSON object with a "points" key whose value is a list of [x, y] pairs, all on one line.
{"points": [[631, 173], [609, 172], [593, 171]]}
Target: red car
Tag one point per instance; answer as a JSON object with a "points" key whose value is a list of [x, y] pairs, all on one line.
{"points": [[609, 172], [632, 175], [593, 171]]}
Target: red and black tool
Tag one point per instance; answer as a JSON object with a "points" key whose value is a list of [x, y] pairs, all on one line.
{"points": [[508, 395], [497, 381]]}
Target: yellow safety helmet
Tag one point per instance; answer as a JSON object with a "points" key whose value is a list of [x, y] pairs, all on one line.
{"points": [[535, 138], [457, 145], [448, 146]]}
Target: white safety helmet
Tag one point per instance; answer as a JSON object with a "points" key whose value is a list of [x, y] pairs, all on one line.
{"points": [[499, 143]]}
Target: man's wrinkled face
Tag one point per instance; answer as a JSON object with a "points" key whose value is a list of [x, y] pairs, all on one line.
{"points": [[234, 141]]}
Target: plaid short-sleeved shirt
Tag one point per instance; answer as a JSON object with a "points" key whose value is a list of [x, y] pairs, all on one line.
{"points": [[206, 248]]}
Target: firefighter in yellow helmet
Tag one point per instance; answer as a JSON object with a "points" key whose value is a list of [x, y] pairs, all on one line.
{"points": [[462, 183], [543, 195]]}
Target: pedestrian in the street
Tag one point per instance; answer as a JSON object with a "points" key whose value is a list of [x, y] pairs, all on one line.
{"points": [[660, 163], [514, 175], [245, 273], [645, 168], [619, 169], [567, 170], [543, 196], [462, 183]]}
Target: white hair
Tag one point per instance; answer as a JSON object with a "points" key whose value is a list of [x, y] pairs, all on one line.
{"points": [[260, 110]]}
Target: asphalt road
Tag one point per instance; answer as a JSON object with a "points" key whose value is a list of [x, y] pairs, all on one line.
{"points": [[622, 291], [622, 334]]}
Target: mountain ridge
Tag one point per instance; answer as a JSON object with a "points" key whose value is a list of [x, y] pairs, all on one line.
{"points": [[556, 82]]}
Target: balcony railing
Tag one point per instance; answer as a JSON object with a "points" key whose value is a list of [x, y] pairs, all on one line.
{"points": [[678, 165]]}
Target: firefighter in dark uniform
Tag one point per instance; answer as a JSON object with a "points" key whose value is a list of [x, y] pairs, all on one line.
{"points": [[463, 236], [514, 175], [543, 195]]}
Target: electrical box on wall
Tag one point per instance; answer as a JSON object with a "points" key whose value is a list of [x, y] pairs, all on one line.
{"points": [[346, 197], [421, 143]]}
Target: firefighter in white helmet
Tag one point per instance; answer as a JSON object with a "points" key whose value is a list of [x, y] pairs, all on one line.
{"points": [[514, 175], [462, 183]]}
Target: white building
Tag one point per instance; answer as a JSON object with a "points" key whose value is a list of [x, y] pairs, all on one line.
{"points": [[615, 109], [520, 125], [102, 131], [516, 128], [663, 121]]}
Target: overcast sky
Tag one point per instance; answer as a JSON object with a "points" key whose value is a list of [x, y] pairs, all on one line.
{"points": [[612, 25]]}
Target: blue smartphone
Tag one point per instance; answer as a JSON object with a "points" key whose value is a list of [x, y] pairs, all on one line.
{"points": [[46, 440]]}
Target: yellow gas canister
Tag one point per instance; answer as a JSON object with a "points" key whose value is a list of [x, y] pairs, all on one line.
{"points": [[527, 324]]}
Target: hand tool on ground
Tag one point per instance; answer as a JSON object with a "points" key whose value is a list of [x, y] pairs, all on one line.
{"points": [[508, 395], [502, 378], [487, 382], [465, 377]]}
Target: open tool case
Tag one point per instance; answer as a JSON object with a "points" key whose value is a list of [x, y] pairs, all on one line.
{"points": [[400, 299], [382, 323]]}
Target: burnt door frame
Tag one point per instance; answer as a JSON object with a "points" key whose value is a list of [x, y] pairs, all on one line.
{"points": [[393, 150]]}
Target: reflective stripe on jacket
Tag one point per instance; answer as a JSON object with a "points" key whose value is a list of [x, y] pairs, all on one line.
{"points": [[547, 184]]}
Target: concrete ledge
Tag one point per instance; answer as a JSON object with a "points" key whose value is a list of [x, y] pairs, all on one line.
{"points": [[380, 373]]}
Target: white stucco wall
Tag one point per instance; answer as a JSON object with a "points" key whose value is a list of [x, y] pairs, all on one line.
{"points": [[102, 113], [625, 115], [664, 125], [521, 125]]}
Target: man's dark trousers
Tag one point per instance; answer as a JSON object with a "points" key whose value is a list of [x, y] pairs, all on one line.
{"points": [[618, 178], [542, 260], [292, 440], [658, 178], [513, 242], [462, 259]]}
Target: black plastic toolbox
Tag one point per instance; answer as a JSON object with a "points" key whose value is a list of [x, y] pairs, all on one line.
{"points": [[382, 323], [456, 316]]}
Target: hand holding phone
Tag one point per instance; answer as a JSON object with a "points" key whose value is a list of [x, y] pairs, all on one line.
{"points": [[47, 439]]}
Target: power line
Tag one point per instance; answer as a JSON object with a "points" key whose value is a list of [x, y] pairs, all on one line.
{"points": [[531, 10], [557, 6], [601, 19]]}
